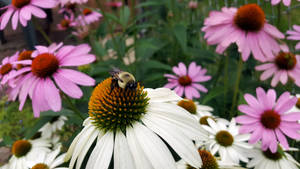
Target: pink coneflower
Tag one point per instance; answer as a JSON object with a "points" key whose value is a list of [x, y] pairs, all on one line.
{"points": [[81, 32], [295, 35], [49, 63], [193, 4], [186, 82], [7, 68], [247, 27], [23, 9], [269, 120], [114, 5], [66, 23], [88, 16], [64, 2], [284, 65], [285, 2]]}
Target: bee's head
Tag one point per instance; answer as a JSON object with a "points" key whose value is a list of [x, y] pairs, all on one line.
{"points": [[125, 78]]}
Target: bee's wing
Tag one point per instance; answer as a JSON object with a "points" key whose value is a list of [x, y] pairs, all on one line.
{"points": [[115, 71]]}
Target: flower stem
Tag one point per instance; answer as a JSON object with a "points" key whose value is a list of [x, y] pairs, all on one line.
{"points": [[41, 30], [73, 107], [278, 14], [236, 87], [225, 78]]}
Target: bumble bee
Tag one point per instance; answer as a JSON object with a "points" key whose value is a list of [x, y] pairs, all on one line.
{"points": [[124, 80]]}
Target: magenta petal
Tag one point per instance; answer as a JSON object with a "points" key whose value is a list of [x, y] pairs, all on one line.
{"points": [[256, 135], [249, 111], [64, 51], [25, 13], [39, 13], [44, 4], [15, 20], [5, 17], [182, 69], [283, 141], [199, 87], [52, 95], [291, 116], [67, 86], [78, 60], [77, 77], [192, 70], [247, 128], [244, 119], [283, 98], [170, 85], [28, 80], [38, 100], [290, 132], [179, 90], [286, 105]]}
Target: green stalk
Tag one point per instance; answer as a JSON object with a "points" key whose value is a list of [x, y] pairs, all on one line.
{"points": [[41, 30], [226, 62], [236, 87], [73, 107], [278, 14]]}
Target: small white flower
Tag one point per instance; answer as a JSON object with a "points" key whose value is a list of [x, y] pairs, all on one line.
{"points": [[49, 161], [27, 150], [227, 141], [128, 130], [268, 160], [51, 127]]}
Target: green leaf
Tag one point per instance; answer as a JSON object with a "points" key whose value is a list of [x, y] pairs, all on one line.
{"points": [[42, 121], [145, 48], [98, 48], [180, 33], [112, 17], [212, 94], [149, 3], [124, 16], [153, 64], [63, 112]]}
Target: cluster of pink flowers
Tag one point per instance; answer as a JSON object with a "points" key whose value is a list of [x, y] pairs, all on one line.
{"points": [[22, 10], [42, 75]]}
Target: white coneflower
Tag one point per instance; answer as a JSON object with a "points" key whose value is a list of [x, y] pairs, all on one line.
{"points": [[268, 160], [227, 141], [51, 127], [127, 124], [209, 162], [49, 161], [27, 150]]}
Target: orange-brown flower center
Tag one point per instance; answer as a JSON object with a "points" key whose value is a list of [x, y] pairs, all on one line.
{"points": [[203, 120], [5, 69], [40, 166], [86, 11], [208, 160], [273, 156], [44, 65], [185, 80], [188, 105], [285, 60], [224, 138], [20, 3], [250, 18], [298, 103], [270, 119], [20, 148], [65, 23], [25, 55]]}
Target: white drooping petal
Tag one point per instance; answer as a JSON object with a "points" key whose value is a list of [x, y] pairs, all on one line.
{"points": [[140, 159], [102, 153], [86, 147], [180, 117], [156, 151], [122, 156], [181, 144], [81, 143], [162, 95], [74, 143]]}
